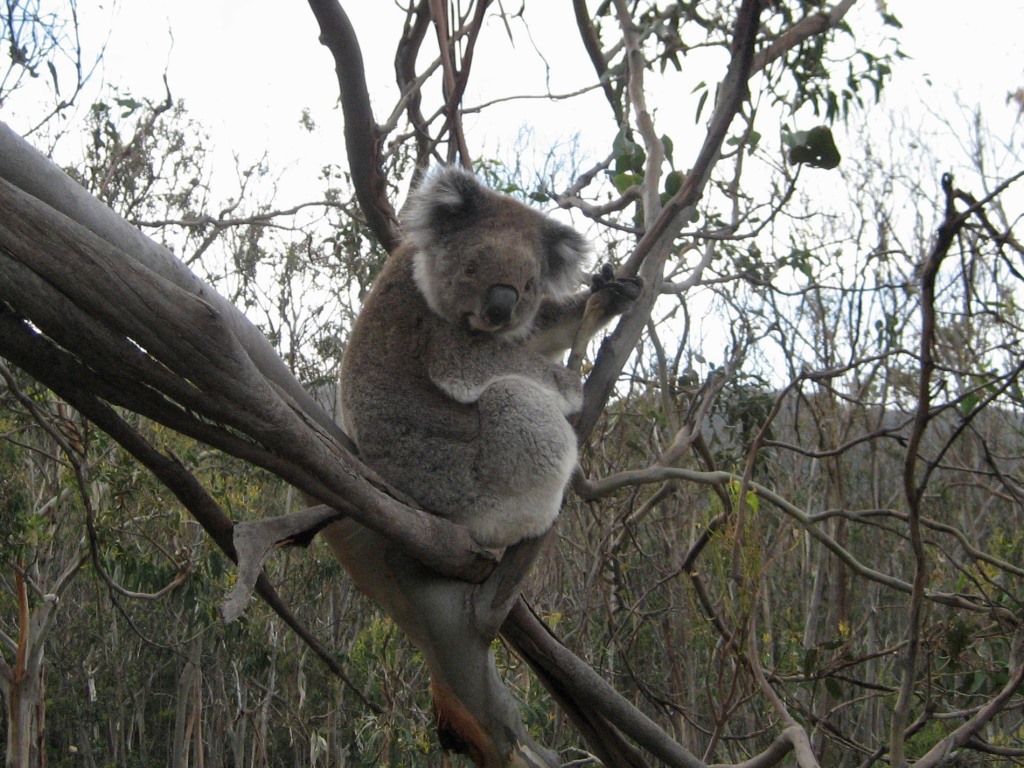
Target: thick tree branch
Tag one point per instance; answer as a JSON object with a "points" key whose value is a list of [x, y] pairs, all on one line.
{"points": [[362, 140], [99, 300], [27, 169], [586, 689], [598, 710]]}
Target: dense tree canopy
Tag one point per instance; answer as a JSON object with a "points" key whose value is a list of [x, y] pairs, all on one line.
{"points": [[798, 527]]}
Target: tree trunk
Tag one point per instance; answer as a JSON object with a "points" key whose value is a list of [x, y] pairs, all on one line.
{"points": [[23, 684], [25, 722], [453, 624], [188, 713]]}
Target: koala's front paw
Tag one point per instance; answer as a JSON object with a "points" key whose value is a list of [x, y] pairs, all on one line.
{"points": [[613, 295]]}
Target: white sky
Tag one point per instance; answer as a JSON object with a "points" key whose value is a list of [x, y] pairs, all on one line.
{"points": [[246, 70]]}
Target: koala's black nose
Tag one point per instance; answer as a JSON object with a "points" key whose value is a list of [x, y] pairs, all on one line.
{"points": [[499, 303]]}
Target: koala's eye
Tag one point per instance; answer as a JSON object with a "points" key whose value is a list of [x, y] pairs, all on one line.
{"points": [[469, 270], [530, 284]]}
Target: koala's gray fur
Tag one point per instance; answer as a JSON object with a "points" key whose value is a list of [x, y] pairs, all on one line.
{"points": [[446, 386]]}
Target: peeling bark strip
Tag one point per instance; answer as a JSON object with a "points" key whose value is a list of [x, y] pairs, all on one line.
{"points": [[256, 540]]}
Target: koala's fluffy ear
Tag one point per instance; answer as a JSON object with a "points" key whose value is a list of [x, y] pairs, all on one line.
{"points": [[451, 198], [447, 199], [566, 253]]}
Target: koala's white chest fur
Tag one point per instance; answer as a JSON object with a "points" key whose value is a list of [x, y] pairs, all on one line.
{"points": [[471, 424]]}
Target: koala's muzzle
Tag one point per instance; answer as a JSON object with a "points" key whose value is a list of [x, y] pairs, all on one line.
{"points": [[499, 304]]}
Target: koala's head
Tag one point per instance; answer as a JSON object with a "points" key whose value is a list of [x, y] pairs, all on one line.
{"points": [[484, 260]]}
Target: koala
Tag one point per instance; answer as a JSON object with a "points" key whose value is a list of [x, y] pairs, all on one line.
{"points": [[449, 388]]}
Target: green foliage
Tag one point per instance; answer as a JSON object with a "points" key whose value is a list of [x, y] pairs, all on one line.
{"points": [[814, 147], [818, 79], [145, 158], [629, 160]]}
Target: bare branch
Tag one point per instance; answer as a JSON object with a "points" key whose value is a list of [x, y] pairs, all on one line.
{"points": [[913, 489], [558, 666], [593, 47], [943, 751], [456, 78], [650, 253], [657, 474], [416, 24], [636, 66]]}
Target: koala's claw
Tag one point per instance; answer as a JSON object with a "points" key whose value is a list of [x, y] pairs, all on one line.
{"points": [[616, 293], [606, 275]]}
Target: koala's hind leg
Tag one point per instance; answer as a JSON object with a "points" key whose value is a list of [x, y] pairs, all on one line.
{"points": [[528, 456]]}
